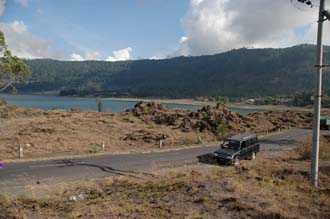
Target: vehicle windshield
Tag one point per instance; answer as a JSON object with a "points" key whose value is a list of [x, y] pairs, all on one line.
{"points": [[231, 144]]}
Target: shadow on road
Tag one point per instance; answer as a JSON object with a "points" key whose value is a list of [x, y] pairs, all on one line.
{"points": [[279, 142], [70, 163], [207, 159]]}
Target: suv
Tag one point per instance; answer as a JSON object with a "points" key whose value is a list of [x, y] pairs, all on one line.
{"points": [[238, 147]]}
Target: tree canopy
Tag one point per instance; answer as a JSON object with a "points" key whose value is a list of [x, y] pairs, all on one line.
{"points": [[12, 68], [236, 73]]}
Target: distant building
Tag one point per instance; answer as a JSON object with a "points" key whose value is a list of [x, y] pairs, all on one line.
{"points": [[250, 101]]}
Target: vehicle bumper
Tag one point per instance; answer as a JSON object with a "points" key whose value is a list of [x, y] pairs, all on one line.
{"points": [[223, 160]]}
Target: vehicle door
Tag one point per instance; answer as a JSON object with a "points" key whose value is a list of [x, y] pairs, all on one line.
{"points": [[254, 146], [244, 149]]}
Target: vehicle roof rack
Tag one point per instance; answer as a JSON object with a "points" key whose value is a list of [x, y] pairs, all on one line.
{"points": [[241, 137]]}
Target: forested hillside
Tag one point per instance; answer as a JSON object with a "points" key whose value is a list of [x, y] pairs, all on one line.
{"points": [[242, 72]]}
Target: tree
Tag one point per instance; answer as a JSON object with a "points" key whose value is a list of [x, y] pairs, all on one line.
{"points": [[12, 68]]}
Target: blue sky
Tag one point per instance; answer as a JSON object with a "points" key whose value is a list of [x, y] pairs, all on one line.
{"points": [[149, 27], [137, 29]]}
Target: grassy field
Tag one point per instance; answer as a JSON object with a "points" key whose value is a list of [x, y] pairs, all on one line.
{"points": [[274, 186], [58, 133]]}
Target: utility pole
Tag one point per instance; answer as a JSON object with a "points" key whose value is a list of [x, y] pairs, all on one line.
{"points": [[317, 98]]}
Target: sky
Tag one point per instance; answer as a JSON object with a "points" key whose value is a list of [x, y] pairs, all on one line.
{"points": [[115, 30]]}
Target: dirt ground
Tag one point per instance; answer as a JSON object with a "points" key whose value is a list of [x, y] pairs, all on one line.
{"points": [[49, 133], [274, 186]]}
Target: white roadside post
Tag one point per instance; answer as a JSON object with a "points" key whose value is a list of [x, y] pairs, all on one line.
{"points": [[199, 139], [103, 146], [20, 151]]}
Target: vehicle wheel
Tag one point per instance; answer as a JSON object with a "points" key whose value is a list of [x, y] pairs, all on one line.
{"points": [[236, 161], [253, 155]]}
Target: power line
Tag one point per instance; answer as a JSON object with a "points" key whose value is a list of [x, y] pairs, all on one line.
{"points": [[308, 3]]}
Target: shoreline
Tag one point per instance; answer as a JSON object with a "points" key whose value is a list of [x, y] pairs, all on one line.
{"points": [[168, 101], [196, 103], [229, 105]]}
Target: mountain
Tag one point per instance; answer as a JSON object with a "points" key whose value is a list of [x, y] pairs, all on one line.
{"points": [[236, 73]]}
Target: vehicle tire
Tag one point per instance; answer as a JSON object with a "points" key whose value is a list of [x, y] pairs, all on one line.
{"points": [[253, 155], [236, 161]]}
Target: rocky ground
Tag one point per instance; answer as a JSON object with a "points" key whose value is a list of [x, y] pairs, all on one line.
{"points": [[218, 118], [48, 133]]}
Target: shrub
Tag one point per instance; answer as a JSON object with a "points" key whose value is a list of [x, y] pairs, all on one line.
{"points": [[305, 148], [95, 148]]}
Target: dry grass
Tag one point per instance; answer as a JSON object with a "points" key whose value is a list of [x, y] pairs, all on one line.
{"points": [[275, 185], [305, 148], [70, 132], [57, 133]]}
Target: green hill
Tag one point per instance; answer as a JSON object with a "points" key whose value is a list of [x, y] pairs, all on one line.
{"points": [[241, 72]]}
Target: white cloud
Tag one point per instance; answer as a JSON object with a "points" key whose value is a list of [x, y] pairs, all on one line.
{"points": [[213, 26], [23, 2], [2, 6], [92, 55], [183, 39], [156, 57], [120, 55], [18, 27], [76, 57], [89, 55], [27, 45]]}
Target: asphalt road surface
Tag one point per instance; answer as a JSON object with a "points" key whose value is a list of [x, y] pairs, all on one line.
{"points": [[16, 176]]}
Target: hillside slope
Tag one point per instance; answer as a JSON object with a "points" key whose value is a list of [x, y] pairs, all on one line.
{"points": [[241, 72]]}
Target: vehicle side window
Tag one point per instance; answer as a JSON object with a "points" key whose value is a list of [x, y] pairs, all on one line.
{"points": [[254, 141], [244, 144]]}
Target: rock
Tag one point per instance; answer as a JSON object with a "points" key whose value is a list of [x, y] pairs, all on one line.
{"points": [[209, 118], [80, 197], [145, 136]]}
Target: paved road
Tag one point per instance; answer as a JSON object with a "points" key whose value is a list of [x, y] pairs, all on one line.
{"points": [[15, 176]]}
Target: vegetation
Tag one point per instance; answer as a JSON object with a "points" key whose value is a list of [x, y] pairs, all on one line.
{"points": [[240, 72], [99, 105], [12, 69], [304, 99], [274, 186], [58, 133], [304, 151]]}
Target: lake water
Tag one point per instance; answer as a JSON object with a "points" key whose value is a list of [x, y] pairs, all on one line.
{"points": [[51, 102]]}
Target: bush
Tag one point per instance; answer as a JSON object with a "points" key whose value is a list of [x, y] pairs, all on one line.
{"points": [[95, 148], [305, 148], [222, 131]]}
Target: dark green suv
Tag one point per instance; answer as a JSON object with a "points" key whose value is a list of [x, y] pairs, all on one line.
{"points": [[238, 147]]}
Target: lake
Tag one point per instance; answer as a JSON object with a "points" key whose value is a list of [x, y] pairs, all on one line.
{"points": [[85, 103]]}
